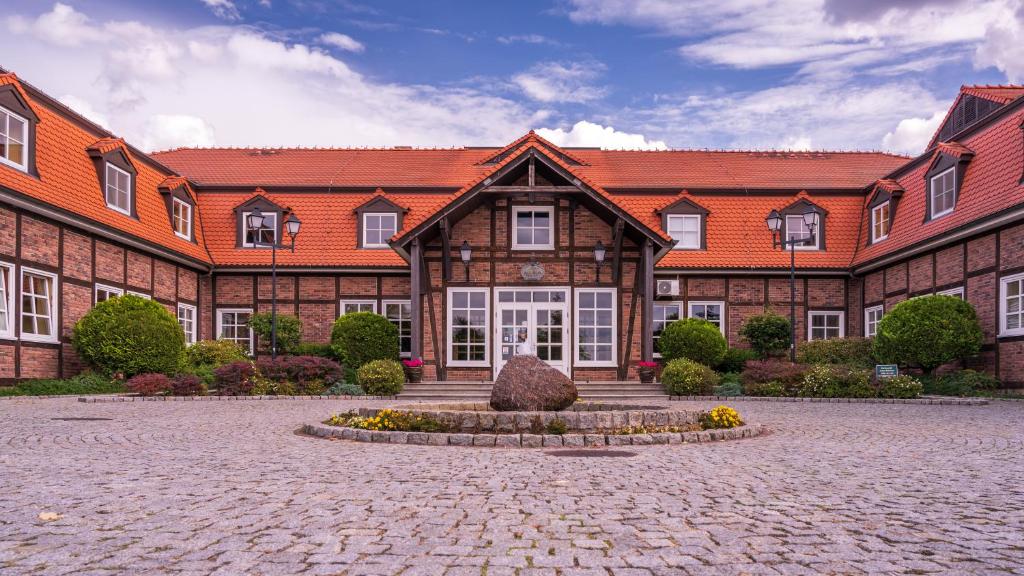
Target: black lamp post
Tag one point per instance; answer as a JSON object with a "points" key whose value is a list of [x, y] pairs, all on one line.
{"points": [[599, 254], [291, 225], [774, 222], [466, 253]]}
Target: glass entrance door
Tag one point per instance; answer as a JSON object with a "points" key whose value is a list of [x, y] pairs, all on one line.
{"points": [[538, 317]]}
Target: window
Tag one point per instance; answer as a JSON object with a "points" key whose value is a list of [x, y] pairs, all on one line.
{"points": [[350, 306], [6, 300], [796, 229], [595, 327], [872, 316], [468, 311], [181, 217], [713, 312], [400, 314], [233, 325], [104, 293], [119, 189], [13, 140], [267, 234], [824, 325], [685, 229], [943, 193], [140, 295], [532, 228], [378, 228], [664, 314], [880, 222], [957, 292], [187, 319], [1011, 305], [38, 305]]}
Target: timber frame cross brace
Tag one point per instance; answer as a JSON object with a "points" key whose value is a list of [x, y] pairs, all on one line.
{"points": [[620, 226], [446, 249]]}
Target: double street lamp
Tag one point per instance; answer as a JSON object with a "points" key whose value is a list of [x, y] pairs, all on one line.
{"points": [[774, 221], [254, 222]]}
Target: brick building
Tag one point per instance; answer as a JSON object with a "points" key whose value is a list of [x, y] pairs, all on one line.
{"points": [[587, 253]]}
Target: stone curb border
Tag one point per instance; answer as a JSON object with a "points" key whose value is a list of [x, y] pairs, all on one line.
{"points": [[105, 399], [925, 401], [531, 440]]}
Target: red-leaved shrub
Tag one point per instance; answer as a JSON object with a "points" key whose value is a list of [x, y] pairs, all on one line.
{"points": [[307, 374], [149, 384], [187, 385], [235, 379], [762, 371]]}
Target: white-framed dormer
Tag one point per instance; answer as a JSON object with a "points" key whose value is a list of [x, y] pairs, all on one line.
{"points": [[685, 229], [942, 193], [533, 227], [15, 139], [266, 235], [7, 300], [880, 221], [378, 228], [796, 229], [117, 189], [181, 218]]}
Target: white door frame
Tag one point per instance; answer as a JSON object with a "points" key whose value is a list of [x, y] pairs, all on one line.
{"points": [[565, 306]]}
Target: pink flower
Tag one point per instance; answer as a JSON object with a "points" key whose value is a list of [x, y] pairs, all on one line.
{"points": [[647, 364], [413, 363]]}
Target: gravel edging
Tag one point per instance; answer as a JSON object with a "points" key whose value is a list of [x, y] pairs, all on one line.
{"points": [[945, 401], [531, 440], [105, 399]]}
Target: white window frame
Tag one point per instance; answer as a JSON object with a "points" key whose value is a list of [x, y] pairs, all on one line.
{"points": [[931, 193], [342, 303], [576, 329], [880, 309], [7, 330], [957, 291], [817, 232], [679, 244], [664, 303], [54, 336], [190, 335], [810, 320], [550, 210], [488, 327], [187, 235], [112, 292], [106, 187], [25, 135], [220, 324], [384, 241], [139, 294], [719, 303], [876, 218], [245, 229], [384, 313], [1003, 283]]}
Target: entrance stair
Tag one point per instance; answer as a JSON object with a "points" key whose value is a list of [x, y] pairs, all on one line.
{"points": [[468, 391]]}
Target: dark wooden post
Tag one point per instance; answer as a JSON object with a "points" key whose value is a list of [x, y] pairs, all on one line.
{"points": [[646, 320], [416, 297]]}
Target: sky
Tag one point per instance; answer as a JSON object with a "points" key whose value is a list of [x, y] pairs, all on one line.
{"points": [[621, 74]]}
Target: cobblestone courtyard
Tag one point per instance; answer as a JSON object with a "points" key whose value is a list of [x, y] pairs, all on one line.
{"points": [[229, 488]]}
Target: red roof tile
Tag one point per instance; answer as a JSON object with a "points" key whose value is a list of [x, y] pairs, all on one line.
{"points": [[1002, 94]]}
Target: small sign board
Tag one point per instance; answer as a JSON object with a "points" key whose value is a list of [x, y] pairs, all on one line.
{"points": [[886, 371]]}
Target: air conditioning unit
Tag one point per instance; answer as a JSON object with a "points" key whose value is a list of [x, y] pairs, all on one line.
{"points": [[667, 288]]}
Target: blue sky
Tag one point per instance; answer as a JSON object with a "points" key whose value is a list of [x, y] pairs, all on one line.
{"points": [[792, 74]]}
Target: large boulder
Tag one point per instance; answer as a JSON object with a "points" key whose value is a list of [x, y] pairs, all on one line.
{"points": [[527, 384]]}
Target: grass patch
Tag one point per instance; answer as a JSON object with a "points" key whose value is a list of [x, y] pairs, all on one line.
{"points": [[81, 384]]}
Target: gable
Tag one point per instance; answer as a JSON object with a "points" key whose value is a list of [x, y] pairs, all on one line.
{"points": [[966, 111]]}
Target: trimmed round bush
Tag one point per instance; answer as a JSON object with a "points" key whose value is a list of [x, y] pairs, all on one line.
{"points": [[148, 384], [694, 339], [129, 335], [314, 349], [847, 351], [768, 334], [901, 386], [187, 385], [928, 332], [289, 331], [361, 337], [735, 359], [381, 377], [214, 353], [684, 377]]}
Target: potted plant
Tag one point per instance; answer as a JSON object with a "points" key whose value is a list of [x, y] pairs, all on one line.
{"points": [[646, 371], [413, 370]]}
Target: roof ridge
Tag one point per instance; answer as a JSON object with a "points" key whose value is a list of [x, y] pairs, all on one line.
{"points": [[399, 148], [1010, 86]]}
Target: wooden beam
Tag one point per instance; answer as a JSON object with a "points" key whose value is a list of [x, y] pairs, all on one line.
{"points": [[620, 227], [526, 189], [532, 180], [446, 249], [646, 321], [416, 297]]}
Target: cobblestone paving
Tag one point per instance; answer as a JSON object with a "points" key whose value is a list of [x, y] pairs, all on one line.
{"points": [[228, 488]]}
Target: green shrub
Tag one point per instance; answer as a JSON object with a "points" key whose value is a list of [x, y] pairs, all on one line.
{"points": [[204, 373], [213, 353], [684, 377], [267, 387], [960, 383], [304, 375], [345, 389], [149, 384], [381, 377], [728, 389], [362, 337], [768, 334], [89, 383], [557, 427], [824, 381], [289, 331], [773, 389], [847, 351], [694, 339], [789, 375], [735, 359], [901, 386], [315, 349], [928, 332], [130, 335]]}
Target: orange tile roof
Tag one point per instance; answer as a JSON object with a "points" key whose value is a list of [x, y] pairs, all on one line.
{"points": [[1003, 94]]}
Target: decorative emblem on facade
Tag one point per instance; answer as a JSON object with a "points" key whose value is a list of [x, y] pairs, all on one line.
{"points": [[532, 271]]}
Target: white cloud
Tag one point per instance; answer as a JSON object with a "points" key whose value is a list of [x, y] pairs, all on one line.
{"points": [[164, 131], [225, 9], [63, 26], [85, 109], [1004, 47], [343, 41], [912, 135], [589, 134], [527, 39], [561, 81]]}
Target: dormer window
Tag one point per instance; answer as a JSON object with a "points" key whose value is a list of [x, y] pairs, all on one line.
{"points": [[378, 228], [181, 218], [14, 140], [797, 230], [685, 230], [266, 234], [942, 193], [533, 228], [119, 189], [880, 222]]}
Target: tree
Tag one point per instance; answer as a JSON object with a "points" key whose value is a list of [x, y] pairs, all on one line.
{"points": [[768, 334], [928, 332]]}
